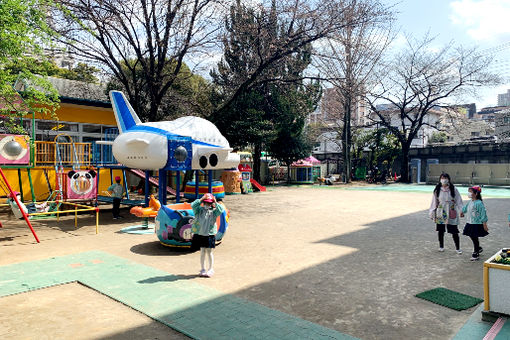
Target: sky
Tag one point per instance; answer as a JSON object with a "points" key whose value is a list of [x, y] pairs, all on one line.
{"points": [[470, 23]]}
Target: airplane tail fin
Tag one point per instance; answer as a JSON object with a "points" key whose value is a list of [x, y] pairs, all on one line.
{"points": [[125, 116]]}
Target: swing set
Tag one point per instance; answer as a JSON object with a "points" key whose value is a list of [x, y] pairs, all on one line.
{"points": [[56, 198]]}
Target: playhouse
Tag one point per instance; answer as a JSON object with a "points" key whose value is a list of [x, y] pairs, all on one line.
{"points": [[305, 171]]}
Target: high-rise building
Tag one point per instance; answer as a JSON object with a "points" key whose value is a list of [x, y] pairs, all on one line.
{"points": [[504, 99]]}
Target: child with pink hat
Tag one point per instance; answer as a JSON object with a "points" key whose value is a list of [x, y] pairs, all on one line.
{"points": [[204, 230], [476, 220]]}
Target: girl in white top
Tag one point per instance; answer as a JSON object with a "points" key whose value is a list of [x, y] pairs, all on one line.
{"points": [[444, 211]]}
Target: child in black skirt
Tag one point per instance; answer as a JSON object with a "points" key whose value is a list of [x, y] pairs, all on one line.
{"points": [[476, 220], [204, 230]]}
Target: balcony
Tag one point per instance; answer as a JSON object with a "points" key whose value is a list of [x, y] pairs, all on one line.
{"points": [[67, 154]]}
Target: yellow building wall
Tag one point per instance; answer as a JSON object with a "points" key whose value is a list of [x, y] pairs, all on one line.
{"points": [[83, 114], [41, 189], [66, 113]]}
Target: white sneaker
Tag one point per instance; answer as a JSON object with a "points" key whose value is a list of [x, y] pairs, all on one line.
{"points": [[209, 273], [202, 273], [441, 250], [459, 251]]}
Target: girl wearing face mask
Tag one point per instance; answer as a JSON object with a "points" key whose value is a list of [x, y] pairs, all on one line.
{"points": [[204, 228], [446, 203], [476, 220]]}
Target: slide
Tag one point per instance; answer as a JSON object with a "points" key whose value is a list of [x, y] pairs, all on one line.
{"points": [[257, 185], [154, 181]]}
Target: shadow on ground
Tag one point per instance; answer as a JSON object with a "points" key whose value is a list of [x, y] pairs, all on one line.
{"points": [[370, 293], [157, 249], [168, 278]]}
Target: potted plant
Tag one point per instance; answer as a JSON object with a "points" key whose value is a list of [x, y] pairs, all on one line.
{"points": [[496, 276]]}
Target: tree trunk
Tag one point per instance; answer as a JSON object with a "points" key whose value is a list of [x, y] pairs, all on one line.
{"points": [[404, 166], [346, 138], [256, 162], [347, 96]]}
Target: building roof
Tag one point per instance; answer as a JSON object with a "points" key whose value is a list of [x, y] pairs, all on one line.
{"points": [[80, 92], [76, 92]]}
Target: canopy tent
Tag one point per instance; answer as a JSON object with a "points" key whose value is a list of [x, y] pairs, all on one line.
{"points": [[312, 160]]}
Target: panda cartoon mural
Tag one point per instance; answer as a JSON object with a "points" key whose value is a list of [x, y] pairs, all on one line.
{"points": [[81, 184]]}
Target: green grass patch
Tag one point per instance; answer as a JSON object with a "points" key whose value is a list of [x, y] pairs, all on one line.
{"points": [[449, 298]]}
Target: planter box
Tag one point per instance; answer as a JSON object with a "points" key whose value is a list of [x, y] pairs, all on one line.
{"points": [[496, 277]]}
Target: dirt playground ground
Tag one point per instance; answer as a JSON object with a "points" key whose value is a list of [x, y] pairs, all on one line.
{"points": [[350, 260]]}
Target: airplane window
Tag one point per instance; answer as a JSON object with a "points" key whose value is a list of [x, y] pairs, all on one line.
{"points": [[180, 154], [203, 162], [213, 159]]}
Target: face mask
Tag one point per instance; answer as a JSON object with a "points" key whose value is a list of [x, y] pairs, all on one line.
{"points": [[444, 181], [470, 194]]}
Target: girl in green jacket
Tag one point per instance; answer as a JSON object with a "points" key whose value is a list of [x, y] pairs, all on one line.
{"points": [[204, 230], [476, 220]]}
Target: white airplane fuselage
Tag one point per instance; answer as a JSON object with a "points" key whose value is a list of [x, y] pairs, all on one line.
{"points": [[189, 142]]}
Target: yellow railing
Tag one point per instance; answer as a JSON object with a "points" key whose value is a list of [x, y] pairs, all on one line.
{"points": [[46, 153]]}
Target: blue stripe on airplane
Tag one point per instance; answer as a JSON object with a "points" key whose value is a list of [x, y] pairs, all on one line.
{"points": [[152, 129], [126, 120]]}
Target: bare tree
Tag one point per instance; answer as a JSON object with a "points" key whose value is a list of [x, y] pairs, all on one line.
{"points": [[142, 43], [347, 61], [419, 80]]}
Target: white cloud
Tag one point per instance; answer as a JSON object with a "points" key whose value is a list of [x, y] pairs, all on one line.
{"points": [[484, 20]]}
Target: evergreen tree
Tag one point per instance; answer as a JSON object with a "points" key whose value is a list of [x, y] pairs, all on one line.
{"points": [[271, 113]]}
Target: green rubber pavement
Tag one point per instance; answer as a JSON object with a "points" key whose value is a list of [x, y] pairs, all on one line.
{"points": [[504, 333], [474, 328], [500, 192], [190, 308]]}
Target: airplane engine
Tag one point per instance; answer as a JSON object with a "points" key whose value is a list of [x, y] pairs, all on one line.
{"points": [[214, 159]]}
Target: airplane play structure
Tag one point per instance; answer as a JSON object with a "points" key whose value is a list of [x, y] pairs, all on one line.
{"points": [[185, 144], [72, 170]]}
